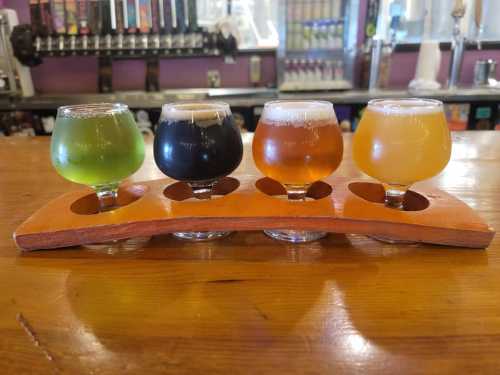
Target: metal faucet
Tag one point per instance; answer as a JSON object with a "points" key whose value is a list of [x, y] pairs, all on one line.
{"points": [[379, 47], [478, 20], [458, 45]]}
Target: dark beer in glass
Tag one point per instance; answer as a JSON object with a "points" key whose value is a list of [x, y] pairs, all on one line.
{"points": [[198, 143]]}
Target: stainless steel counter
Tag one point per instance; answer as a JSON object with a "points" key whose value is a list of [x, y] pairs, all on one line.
{"points": [[244, 97]]}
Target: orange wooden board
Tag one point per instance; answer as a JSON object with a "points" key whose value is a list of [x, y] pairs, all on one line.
{"points": [[348, 207]]}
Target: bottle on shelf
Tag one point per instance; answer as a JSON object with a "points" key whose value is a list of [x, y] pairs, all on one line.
{"points": [[324, 36], [318, 71], [287, 71], [339, 35], [294, 71], [338, 71], [310, 71], [301, 14], [327, 71], [331, 35], [315, 36], [306, 36]]}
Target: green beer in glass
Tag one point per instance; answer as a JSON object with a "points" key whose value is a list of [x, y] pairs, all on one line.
{"points": [[97, 145]]}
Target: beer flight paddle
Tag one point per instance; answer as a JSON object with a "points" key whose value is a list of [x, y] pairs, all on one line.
{"points": [[350, 207], [296, 147]]}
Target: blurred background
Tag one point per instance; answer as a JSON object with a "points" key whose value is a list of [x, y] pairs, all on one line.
{"points": [[149, 52]]}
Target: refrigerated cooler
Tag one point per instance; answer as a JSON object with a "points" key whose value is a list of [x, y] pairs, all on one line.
{"points": [[317, 47]]}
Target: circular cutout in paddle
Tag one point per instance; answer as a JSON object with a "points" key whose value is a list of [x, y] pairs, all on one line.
{"points": [[89, 204], [268, 186], [374, 192], [180, 191]]}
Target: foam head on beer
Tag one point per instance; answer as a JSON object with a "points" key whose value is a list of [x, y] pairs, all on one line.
{"points": [[200, 114], [406, 107], [299, 113]]}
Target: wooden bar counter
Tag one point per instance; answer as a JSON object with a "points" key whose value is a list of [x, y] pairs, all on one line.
{"points": [[247, 304]]}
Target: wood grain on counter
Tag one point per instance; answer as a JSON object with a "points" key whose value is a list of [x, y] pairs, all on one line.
{"points": [[248, 304]]}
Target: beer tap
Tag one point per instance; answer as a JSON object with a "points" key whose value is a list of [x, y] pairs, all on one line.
{"points": [[155, 25], [130, 23], [144, 43], [97, 43], [144, 17], [458, 44], [72, 44], [95, 24], [71, 24], [60, 44], [47, 28], [178, 12], [166, 22], [48, 44], [38, 43], [380, 49], [107, 18], [36, 23], [59, 20], [83, 26], [118, 23], [192, 17], [132, 44]]}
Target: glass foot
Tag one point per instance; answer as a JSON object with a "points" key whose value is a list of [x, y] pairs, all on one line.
{"points": [[295, 236], [200, 236], [119, 246], [392, 240]]}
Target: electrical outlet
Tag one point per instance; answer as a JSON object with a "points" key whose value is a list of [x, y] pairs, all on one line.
{"points": [[213, 78], [255, 69]]}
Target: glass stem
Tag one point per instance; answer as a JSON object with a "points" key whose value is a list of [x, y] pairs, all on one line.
{"points": [[296, 192], [202, 190], [107, 195], [394, 196]]}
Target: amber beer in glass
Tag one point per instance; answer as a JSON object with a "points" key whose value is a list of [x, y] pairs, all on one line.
{"points": [[400, 142], [297, 143]]}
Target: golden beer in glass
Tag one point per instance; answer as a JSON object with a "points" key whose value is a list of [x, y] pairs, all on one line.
{"points": [[400, 142], [297, 143]]}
